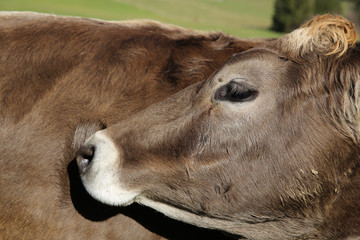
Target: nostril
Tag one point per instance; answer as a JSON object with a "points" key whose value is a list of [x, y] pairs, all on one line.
{"points": [[84, 156]]}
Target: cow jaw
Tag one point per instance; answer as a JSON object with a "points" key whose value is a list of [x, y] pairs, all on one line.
{"points": [[241, 228], [183, 215], [101, 176]]}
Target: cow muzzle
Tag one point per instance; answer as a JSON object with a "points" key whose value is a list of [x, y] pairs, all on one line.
{"points": [[99, 163]]}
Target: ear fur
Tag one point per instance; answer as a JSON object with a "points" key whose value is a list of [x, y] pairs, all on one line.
{"points": [[331, 36], [326, 35]]}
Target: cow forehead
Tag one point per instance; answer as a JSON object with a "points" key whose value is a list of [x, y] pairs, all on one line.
{"points": [[258, 66], [254, 53]]}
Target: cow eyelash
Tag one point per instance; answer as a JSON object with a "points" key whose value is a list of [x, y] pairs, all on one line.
{"points": [[236, 92]]}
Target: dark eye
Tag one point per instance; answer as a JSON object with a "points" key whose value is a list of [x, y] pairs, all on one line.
{"points": [[236, 92]]}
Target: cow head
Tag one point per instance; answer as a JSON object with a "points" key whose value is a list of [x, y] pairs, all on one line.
{"points": [[260, 149]]}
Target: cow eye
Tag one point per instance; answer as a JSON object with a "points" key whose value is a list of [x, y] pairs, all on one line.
{"points": [[236, 92]]}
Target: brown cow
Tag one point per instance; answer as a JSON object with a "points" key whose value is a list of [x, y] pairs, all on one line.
{"points": [[61, 76], [266, 148]]}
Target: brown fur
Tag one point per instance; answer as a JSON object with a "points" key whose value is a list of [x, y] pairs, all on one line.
{"points": [[65, 76], [284, 164]]}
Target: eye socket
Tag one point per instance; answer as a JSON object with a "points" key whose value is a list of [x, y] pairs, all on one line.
{"points": [[236, 92]]}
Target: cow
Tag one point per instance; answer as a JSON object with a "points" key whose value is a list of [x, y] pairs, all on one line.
{"points": [[64, 78], [268, 147]]}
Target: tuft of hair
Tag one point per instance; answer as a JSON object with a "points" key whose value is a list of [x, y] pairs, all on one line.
{"points": [[325, 34], [84, 131]]}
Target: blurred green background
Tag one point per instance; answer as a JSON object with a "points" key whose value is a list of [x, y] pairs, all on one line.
{"points": [[236, 17], [244, 18]]}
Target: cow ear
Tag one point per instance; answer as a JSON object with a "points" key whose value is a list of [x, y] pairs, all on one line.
{"points": [[325, 35]]}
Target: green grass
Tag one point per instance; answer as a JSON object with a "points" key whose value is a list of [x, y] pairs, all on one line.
{"points": [[243, 18]]}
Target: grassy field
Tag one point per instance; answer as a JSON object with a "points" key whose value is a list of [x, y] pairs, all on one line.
{"points": [[243, 18]]}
